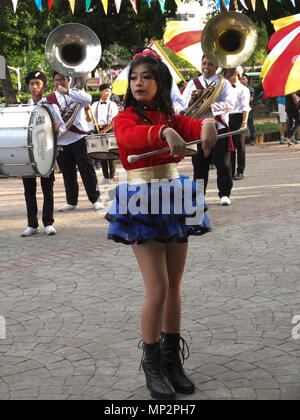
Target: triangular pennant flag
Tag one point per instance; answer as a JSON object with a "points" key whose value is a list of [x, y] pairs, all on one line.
{"points": [[253, 2], [118, 5], [293, 3], [50, 2], [105, 5], [134, 5], [149, 2], [266, 4], [87, 5], [39, 4], [162, 5], [72, 5], [15, 3], [244, 4]]}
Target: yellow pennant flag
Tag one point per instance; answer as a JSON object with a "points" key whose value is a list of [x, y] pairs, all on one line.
{"points": [[266, 4], [72, 5], [105, 5]]}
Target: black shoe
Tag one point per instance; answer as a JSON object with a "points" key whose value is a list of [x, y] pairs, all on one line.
{"points": [[154, 366], [172, 351], [238, 176]]}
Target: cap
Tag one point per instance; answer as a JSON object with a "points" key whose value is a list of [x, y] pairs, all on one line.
{"points": [[35, 75]]}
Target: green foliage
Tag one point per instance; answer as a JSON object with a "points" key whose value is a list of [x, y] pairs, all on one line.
{"points": [[266, 127], [276, 10], [24, 34]]}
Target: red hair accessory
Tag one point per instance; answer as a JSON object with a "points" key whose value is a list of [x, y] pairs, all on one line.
{"points": [[146, 52]]}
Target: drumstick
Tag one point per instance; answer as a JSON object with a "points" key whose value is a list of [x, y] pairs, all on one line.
{"points": [[92, 114], [134, 158]]}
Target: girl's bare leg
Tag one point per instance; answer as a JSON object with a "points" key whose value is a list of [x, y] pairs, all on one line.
{"points": [[151, 258], [176, 257]]}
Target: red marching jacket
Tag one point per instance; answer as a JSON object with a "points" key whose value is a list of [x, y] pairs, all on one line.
{"points": [[135, 136]]}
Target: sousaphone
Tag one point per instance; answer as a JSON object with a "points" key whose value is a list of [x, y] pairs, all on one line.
{"points": [[73, 50], [228, 40]]}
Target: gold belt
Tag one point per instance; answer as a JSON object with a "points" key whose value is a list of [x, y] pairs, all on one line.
{"points": [[167, 171]]}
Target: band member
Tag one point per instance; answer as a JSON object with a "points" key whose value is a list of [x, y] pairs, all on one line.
{"points": [[104, 112], [158, 237], [293, 118], [220, 155], [72, 152], [251, 126], [37, 83], [238, 118]]}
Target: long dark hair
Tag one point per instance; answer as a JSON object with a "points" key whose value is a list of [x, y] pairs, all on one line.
{"points": [[164, 82]]}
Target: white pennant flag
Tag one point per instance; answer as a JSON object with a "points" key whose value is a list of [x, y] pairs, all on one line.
{"points": [[15, 3], [118, 5]]}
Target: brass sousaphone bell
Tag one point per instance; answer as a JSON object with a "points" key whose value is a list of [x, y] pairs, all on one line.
{"points": [[228, 40], [73, 50]]}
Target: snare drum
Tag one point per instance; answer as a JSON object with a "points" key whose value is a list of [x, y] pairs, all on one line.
{"points": [[27, 140], [102, 146], [112, 144]]}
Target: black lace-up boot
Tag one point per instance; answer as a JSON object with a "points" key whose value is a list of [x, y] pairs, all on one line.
{"points": [[154, 366], [174, 346]]}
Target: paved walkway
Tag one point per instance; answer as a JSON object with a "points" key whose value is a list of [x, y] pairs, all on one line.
{"points": [[72, 301]]}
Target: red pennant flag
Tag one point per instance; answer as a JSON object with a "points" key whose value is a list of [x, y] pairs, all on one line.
{"points": [[134, 5], [50, 2]]}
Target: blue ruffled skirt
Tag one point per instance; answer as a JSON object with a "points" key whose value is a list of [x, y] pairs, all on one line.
{"points": [[163, 211]]}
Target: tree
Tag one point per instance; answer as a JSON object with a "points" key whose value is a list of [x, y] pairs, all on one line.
{"points": [[6, 84], [24, 34], [276, 10]]}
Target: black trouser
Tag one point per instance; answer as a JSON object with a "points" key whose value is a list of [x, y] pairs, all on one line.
{"points": [[235, 122], [69, 157], [111, 164], [31, 202], [292, 122], [251, 126], [220, 157]]}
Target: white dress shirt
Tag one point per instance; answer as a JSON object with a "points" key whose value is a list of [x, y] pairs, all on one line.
{"points": [[178, 103], [242, 99], [104, 113], [223, 103], [55, 113], [84, 99]]}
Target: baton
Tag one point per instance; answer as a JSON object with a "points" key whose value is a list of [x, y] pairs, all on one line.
{"points": [[134, 158]]}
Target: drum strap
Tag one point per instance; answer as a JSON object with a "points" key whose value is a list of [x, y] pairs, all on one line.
{"points": [[219, 118], [52, 99]]}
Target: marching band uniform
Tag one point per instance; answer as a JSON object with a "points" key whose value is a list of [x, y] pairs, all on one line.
{"points": [[30, 183], [238, 117], [73, 151], [136, 136], [220, 154], [104, 112]]}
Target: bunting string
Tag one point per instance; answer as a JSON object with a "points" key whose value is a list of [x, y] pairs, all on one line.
{"points": [[134, 4]]}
